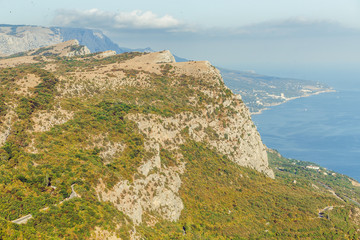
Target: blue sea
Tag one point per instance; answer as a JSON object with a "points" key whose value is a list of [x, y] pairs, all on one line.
{"points": [[324, 129]]}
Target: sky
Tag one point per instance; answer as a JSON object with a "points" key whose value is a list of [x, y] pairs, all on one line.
{"points": [[281, 37]]}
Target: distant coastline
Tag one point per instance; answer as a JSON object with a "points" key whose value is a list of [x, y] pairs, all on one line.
{"points": [[327, 133], [292, 98]]}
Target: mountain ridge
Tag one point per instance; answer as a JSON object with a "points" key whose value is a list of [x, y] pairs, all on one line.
{"points": [[153, 149]]}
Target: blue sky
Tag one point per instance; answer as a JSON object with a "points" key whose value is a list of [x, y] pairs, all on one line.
{"points": [[268, 36]]}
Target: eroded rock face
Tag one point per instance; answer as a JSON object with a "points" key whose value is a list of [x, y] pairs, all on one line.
{"points": [[5, 126], [235, 136], [155, 191]]}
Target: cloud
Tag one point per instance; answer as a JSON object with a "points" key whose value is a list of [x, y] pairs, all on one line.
{"points": [[135, 20], [295, 27]]}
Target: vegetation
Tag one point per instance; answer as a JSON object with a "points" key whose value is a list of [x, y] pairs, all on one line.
{"points": [[226, 201], [321, 179], [221, 199], [41, 50]]}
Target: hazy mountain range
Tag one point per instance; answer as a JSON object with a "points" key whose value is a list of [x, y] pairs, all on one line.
{"points": [[20, 38]]}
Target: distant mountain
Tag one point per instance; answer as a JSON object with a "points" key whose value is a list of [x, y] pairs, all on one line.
{"points": [[20, 38], [95, 40], [180, 59], [260, 91]]}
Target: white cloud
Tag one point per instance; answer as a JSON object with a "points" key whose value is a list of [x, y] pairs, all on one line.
{"points": [[95, 18]]}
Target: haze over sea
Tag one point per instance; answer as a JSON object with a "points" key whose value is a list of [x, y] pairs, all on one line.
{"points": [[324, 129]]}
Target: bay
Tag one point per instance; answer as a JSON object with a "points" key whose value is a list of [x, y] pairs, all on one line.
{"points": [[324, 129]]}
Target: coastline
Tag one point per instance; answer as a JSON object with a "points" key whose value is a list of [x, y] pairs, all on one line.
{"points": [[327, 134], [292, 98]]}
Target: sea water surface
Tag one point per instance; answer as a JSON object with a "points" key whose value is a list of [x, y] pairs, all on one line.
{"points": [[324, 129]]}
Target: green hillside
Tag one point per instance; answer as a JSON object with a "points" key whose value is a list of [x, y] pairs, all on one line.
{"points": [[76, 146]]}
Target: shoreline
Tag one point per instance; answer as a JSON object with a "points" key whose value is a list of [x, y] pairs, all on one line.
{"points": [[292, 98]]}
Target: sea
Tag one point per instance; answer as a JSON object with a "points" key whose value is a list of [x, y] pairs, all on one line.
{"points": [[324, 128]]}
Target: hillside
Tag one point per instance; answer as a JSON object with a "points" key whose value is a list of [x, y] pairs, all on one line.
{"points": [[131, 146], [260, 92]]}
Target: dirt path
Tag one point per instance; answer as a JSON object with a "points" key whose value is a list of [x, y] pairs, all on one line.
{"points": [[25, 219]]}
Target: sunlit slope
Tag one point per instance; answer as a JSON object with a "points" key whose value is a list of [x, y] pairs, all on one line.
{"points": [[136, 145]]}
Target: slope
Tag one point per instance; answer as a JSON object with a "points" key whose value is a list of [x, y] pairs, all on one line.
{"points": [[150, 146]]}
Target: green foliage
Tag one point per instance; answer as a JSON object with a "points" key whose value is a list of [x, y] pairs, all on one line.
{"points": [[42, 98], [3, 106], [167, 158], [75, 48], [41, 50], [165, 69], [290, 169], [86, 63], [225, 201], [221, 199], [63, 161]]}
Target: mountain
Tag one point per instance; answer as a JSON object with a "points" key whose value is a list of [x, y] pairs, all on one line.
{"points": [[260, 92], [138, 146], [20, 38]]}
